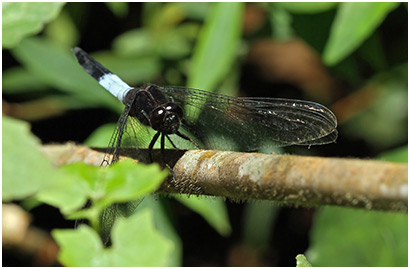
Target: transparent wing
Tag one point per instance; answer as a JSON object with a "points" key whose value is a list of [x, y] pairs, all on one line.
{"points": [[251, 123], [129, 134]]}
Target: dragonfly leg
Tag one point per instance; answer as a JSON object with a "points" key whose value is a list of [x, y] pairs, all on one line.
{"points": [[151, 145], [187, 138], [172, 143], [163, 155], [163, 152]]}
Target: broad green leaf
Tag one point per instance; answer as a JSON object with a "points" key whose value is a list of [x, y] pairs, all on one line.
{"points": [[196, 10], [174, 45], [101, 136], [120, 9], [19, 80], [306, 7], [384, 123], [72, 189], [59, 69], [68, 196], [399, 155], [258, 223], [217, 46], [189, 30], [372, 51], [354, 23], [114, 191], [163, 17], [301, 261], [132, 69], [127, 180], [135, 42], [80, 247], [281, 23], [25, 169], [63, 30], [25, 18], [164, 225], [135, 242], [212, 210], [351, 237], [124, 181]]}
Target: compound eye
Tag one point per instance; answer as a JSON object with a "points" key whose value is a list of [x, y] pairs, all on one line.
{"points": [[157, 117], [176, 109]]}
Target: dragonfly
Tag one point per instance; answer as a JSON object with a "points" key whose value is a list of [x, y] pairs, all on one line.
{"points": [[180, 117], [185, 118]]}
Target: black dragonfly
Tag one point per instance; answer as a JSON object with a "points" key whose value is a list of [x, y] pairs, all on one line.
{"points": [[185, 118]]}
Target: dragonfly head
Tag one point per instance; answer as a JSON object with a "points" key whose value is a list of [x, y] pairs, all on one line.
{"points": [[166, 118]]}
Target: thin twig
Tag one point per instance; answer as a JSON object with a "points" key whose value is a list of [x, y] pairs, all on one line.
{"points": [[300, 180]]}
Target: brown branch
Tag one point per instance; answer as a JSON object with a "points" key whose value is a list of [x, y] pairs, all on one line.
{"points": [[307, 181]]}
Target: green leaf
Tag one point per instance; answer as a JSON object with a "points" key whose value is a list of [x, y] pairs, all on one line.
{"points": [[217, 46], [373, 53], [25, 169], [354, 23], [114, 191], [387, 111], [125, 181], [281, 23], [80, 247], [132, 69], [59, 69], [398, 155], [63, 30], [301, 261], [196, 10], [134, 42], [165, 226], [24, 19], [213, 211], [120, 9], [135, 243], [174, 45], [19, 80], [72, 189], [306, 7], [351, 237], [100, 137], [258, 220]]}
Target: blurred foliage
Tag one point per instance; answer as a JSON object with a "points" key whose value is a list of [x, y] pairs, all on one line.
{"points": [[384, 98], [203, 45], [213, 211], [22, 151], [399, 155], [354, 23], [25, 19], [352, 237], [258, 219], [217, 46], [82, 247], [68, 189], [301, 261]]}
